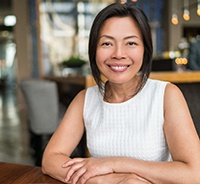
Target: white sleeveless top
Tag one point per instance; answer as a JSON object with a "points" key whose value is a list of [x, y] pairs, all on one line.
{"points": [[133, 128]]}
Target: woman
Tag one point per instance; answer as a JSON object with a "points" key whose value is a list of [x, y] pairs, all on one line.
{"points": [[138, 130]]}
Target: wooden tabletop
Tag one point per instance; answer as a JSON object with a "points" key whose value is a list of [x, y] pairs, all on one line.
{"points": [[21, 174]]}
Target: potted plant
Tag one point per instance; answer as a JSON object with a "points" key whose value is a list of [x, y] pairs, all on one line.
{"points": [[73, 62]]}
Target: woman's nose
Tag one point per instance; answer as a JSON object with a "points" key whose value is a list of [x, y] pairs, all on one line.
{"points": [[119, 52]]}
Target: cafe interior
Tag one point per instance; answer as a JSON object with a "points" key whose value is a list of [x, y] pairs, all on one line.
{"points": [[44, 64]]}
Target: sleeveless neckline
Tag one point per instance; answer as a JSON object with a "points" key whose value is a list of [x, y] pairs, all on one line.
{"points": [[127, 101]]}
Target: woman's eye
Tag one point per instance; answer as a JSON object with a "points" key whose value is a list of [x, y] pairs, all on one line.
{"points": [[106, 44], [132, 43]]}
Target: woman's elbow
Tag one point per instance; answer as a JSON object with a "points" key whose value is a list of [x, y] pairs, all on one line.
{"points": [[43, 168], [194, 174]]}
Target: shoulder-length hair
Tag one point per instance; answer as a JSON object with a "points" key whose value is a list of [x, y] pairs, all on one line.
{"points": [[121, 10]]}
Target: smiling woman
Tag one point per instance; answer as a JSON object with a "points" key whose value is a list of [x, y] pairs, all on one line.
{"points": [[137, 35], [134, 132]]}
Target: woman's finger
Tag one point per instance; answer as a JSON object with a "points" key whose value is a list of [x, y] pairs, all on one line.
{"points": [[72, 161], [72, 170], [78, 175]]}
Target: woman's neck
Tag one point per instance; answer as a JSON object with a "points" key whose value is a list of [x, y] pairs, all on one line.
{"points": [[117, 93]]}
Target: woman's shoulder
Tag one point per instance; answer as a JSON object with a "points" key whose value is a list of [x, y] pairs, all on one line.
{"points": [[170, 88], [174, 98], [79, 98], [88, 92], [172, 91]]}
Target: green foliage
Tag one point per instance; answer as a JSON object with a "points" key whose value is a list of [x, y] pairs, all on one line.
{"points": [[73, 62]]}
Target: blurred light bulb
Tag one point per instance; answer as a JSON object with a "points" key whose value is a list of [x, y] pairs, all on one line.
{"points": [[186, 15], [174, 19], [181, 61]]}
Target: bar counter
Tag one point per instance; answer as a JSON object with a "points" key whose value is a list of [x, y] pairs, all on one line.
{"points": [[177, 77], [174, 77]]}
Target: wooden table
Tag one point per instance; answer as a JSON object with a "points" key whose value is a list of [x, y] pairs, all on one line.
{"points": [[21, 174]]}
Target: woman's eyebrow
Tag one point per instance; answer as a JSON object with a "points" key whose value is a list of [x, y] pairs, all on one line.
{"points": [[106, 36], [132, 36], [125, 38]]}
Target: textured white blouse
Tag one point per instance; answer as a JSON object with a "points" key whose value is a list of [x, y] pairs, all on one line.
{"points": [[133, 128]]}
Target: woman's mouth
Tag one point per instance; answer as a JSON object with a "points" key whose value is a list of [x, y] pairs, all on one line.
{"points": [[119, 68]]}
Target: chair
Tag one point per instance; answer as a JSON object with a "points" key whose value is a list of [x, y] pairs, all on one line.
{"points": [[44, 113]]}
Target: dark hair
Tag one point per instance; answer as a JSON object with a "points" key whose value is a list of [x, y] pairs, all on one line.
{"points": [[121, 10]]}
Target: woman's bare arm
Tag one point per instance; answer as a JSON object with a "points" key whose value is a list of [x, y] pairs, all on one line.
{"points": [[64, 140]]}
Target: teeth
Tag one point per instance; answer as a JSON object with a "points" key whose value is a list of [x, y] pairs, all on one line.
{"points": [[118, 67]]}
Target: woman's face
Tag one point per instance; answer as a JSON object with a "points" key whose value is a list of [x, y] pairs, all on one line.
{"points": [[120, 50]]}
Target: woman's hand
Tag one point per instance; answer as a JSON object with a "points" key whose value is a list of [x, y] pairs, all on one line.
{"points": [[81, 169], [133, 178], [117, 178]]}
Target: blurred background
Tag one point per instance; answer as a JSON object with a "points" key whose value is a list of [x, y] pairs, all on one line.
{"points": [[38, 38]]}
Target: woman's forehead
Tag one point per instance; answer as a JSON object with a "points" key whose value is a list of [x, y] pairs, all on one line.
{"points": [[120, 26]]}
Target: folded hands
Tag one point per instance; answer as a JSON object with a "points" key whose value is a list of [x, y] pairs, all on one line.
{"points": [[97, 171]]}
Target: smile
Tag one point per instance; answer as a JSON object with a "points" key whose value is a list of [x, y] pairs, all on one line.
{"points": [[119, 68]]}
